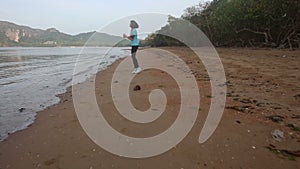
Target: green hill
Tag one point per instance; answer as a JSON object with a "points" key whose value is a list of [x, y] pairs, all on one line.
{"points": [[16, 35]]}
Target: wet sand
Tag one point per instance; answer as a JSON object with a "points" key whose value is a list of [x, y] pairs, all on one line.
{"points": [[263, 94]]}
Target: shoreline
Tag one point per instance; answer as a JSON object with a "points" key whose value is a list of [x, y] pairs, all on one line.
{"points": [[57, 140], [36, 86]]}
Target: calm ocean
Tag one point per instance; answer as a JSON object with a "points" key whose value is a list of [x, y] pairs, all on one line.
{"points": [[30, 79]]}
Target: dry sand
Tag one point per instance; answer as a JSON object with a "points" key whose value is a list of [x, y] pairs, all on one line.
{"points": [[260, 83]]}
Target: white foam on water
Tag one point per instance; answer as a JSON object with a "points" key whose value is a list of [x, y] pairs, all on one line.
{"points": [[31, 79]]}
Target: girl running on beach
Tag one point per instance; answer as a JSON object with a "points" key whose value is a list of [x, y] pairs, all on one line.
{"points": [[133, 37]]}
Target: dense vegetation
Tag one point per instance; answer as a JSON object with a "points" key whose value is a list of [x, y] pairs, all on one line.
{"points": [[241, 23]]}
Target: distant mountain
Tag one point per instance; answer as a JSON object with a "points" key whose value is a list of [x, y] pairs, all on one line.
{"points": [[15, 35]]}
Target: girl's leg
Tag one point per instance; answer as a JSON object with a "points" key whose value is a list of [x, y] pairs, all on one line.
{"points": [[133, 55], [135, 62]]}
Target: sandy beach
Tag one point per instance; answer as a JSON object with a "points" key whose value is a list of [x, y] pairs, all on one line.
{"points": [[263, 94]]}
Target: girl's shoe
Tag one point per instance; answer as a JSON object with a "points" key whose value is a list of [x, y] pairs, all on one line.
{"points": [[137, 70], [134, 70]]}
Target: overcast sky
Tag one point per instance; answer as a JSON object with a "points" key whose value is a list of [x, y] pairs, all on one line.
{"points": [[77, 16]]}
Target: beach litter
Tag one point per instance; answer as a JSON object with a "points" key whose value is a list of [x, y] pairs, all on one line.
{"points": [[237, 108], [278, 135], [293, 127], [297, 96], [275, 118], [21, 109], [137, 87], [290, 154], [295, 116]]}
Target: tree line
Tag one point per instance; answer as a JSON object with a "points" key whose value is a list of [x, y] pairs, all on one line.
{"points": [[240, 23]]}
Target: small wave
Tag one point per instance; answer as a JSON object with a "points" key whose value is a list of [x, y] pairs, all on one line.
{"points": [[36, 86]]}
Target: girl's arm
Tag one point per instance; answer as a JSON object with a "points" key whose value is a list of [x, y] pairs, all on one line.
{"points": [[128, 37]]}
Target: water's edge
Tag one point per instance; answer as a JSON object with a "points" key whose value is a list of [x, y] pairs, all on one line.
{"points": [[56, 100]]}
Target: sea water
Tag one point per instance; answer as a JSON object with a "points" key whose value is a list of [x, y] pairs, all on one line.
{"points": [[31, 78]]}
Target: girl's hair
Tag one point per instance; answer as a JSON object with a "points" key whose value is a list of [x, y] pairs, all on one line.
{"points": [[134, 24]]}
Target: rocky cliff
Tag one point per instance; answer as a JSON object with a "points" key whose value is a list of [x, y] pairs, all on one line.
{"points": [[15, 35]]}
